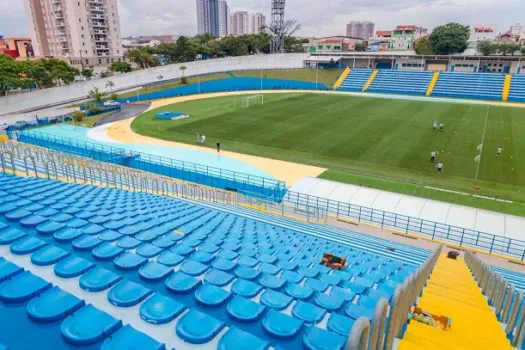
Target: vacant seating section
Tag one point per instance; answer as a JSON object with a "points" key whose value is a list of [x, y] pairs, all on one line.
{"points": [[356, 80], [517, 88], [486, 86], [401, 82]]}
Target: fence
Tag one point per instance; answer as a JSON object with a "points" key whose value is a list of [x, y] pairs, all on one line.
{"points": [[266, 188], [462, 237]]}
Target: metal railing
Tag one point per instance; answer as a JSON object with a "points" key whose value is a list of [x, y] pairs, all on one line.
{"points": [[206, 175], [506, 300]]}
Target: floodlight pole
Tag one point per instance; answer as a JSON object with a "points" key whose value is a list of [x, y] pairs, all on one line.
{"points": [[316, 75], [262, 95]]}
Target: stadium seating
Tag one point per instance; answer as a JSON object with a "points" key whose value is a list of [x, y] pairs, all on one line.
{"points": [[84, 266], [356, 80], [401, 82], [486, 86], [517, 88]]}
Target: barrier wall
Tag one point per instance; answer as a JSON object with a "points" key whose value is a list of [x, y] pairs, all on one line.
{"points": [[228, 85], [63, 94], [257, 186]]}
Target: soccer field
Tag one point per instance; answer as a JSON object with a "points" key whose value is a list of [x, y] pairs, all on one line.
{"points": [[382, 143]]}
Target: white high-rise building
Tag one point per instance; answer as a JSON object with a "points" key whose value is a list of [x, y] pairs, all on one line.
{"points": [[257, 23], [86, 32], [224, 18], [240, 23], [208, 17], [361, 30]]}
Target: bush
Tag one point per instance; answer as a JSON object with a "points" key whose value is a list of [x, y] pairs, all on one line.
{"points": [[93, 109], [113, 97], [78, 116], [184, 80]]}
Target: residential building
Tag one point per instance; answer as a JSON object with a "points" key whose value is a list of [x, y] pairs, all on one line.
{"points": [[208, 17], [86, 32], [224, 18], [478, 34], [257, 23], [332, 44], [403, 37], [240, 23], [361, 30], [16, 47]]}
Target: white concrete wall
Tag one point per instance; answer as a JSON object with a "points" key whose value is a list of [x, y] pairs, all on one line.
{"points": [[63, 94]]}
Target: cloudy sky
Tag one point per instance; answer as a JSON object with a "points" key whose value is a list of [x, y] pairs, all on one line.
{"points": [[318, 17]]}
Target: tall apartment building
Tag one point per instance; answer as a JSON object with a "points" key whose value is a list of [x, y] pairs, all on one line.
{"points": [[257, 23], [240, 23], [403, 37], [208, 17], [86, 32], [224, 18], [360, 30]]}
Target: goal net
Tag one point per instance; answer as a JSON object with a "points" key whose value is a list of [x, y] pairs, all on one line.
{"points": [[249, 101]]}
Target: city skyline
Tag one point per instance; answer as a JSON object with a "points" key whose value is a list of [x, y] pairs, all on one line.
{"points": [[143, 17]]}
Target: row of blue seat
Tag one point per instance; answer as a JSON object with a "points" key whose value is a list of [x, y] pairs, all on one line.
{"points": [[261, 280], [356, 80], [517, 89], [488, 86], [401, 82]]}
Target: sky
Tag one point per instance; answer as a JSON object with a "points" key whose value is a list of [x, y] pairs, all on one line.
{"points": [[317, 17]]}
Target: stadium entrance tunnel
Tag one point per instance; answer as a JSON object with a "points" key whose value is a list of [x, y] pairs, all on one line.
{"points": [[252, 185]]}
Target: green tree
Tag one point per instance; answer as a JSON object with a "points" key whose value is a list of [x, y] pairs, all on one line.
{"points": [[423, 47], [487, 47], [120, 67], [522, 49], [449, 39], [95, 95], [359, 46], [507, 48], [60, 71], [143, 56], [9, 74], [87, 73]]}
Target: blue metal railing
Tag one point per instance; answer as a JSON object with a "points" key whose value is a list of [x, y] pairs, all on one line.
{"points": [[269, 189], [489, 243]]}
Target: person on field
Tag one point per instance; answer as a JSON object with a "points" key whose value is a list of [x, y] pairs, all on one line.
{"points": [[218, 147], [500, 150], [440, 167], [432, 156], [434, 126], [441, 126]]}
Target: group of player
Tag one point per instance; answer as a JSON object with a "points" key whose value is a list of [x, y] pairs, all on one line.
{"points": [[434, 154]]}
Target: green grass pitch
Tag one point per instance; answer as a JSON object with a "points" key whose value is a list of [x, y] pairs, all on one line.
{"points": [[381, 143]]}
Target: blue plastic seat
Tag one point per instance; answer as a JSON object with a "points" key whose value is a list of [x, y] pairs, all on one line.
{"points": [[148, 250], [182, 249], [275, 300], [153, 271], [72, 266], [53, 305], [88, 326], [67, 234], [160, 309], [128, 242], [77, 223], [106, 251], [355, 287], [228, 254], [280, 325], [333, 280], [247, 261], [209, 248], [210, 295], [308, 312], [128, 293], [339, 324], [319, 339], [271, 281], [316, 285], [170, 259], [179, 282], [129, 338], [329, 302], [308, 272], [91, 229], [244, 310], [86, 242], [48, 255], [299, 292], [8, 270], [129, 261], [193, 268], [355, 311], [109, 235], [196, 327], [32, 220], [218, 277], [287, 265], [17, 214], [291, 276], [368, 283], [26, 245], [223, 264], [269, 269], [246, 272], [202, 257], [245, 288], [265, 258], [11, 234], [22, 287], [98, 279], [236, 339]]}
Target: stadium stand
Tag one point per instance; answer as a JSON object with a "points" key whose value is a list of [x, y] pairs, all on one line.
{"points": [[486, 86], [213, 276], [504, 292], [356, 80], [517, 89], [401, 82]]}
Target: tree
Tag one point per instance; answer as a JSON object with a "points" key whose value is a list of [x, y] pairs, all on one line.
{"points": [[9, 70], [359, 47], [423, 47], [120, 67], [507, 48], [143, 56], [95, 95], [290, 27], [87, 73], [487, 47], [522, 49], [110, 85], [449, 39], [59, 71]]}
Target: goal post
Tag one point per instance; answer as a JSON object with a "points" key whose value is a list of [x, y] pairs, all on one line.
{"points": [[249, 101]]}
